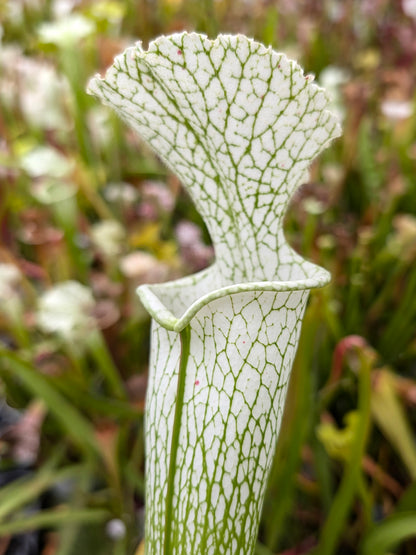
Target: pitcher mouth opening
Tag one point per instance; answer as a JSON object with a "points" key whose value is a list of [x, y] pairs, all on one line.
{"points": [[173, 304]]}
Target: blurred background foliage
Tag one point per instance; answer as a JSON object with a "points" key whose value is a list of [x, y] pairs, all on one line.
{"points": [[87, 213]]}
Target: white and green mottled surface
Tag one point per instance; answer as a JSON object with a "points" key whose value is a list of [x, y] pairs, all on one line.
{"points": [[239, 124]]}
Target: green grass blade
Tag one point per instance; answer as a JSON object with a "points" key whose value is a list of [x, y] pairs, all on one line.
{"points": [[75, 425], [350, 483], [53, 518], [387, 535], [21, 492]]}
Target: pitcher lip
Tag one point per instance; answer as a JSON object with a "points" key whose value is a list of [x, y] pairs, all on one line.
{"points": [[148, 294]]}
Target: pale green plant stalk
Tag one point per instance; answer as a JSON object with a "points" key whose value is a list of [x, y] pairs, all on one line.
{"points": [[239, 124]]}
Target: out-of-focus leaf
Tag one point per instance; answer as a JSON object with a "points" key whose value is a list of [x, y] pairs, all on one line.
{"points": [[140, 549], [23, 491], [407, 501], [53, 518], [75, 425], [387, 535], [391, 418], [351, 480]]}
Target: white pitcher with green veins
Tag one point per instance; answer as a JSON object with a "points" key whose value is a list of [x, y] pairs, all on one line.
{"points": [[239, 124]]}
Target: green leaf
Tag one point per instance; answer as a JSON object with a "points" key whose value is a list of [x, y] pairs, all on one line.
{"points": [[23, 491], [352, 477], [75, 425], [392, 420], [53, 518], [389, 533]]}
